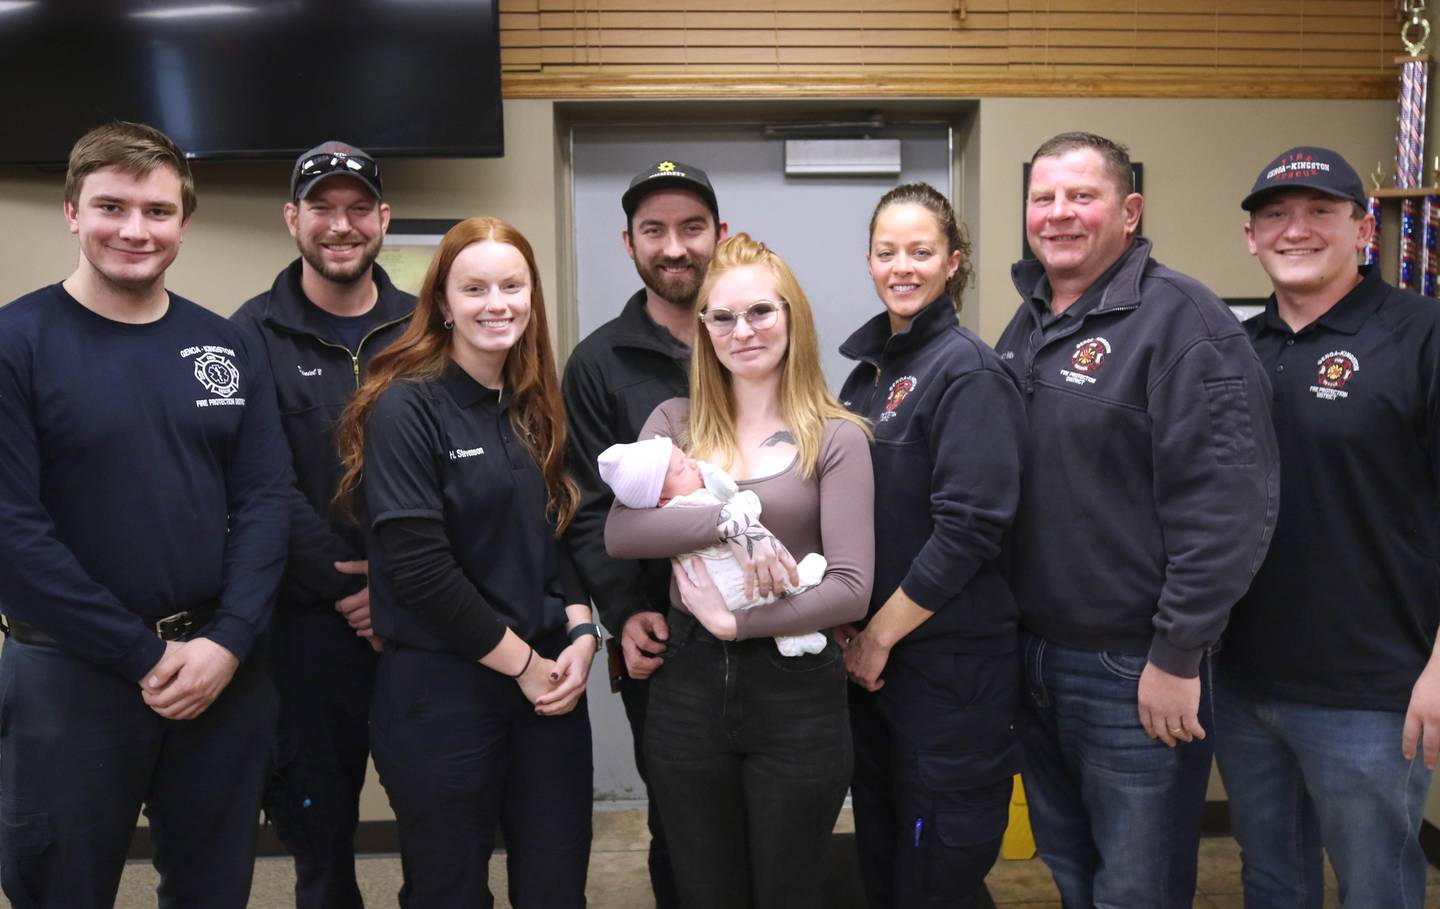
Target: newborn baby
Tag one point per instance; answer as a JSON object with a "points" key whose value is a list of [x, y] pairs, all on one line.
{"points": [[655, 472]]}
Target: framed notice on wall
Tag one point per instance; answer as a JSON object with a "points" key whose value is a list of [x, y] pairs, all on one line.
{"points": [[410, 244]]}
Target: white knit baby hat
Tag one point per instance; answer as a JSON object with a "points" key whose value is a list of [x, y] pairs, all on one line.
{"points": [[636, 471]]}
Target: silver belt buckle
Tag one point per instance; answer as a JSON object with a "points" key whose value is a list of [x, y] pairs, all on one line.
{"points": [[174, 627]]}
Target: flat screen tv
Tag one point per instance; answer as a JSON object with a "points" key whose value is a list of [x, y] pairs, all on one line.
{"points": [[253, 78]]}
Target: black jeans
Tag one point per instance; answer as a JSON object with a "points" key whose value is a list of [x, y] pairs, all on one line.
{"points": [[749, 758], [635, 695], [459, 748], [324, 675], [82, 753], [934, 757]]}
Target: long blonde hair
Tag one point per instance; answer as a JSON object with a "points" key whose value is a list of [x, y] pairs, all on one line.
{"points": [[805, 401], [423, 350]]}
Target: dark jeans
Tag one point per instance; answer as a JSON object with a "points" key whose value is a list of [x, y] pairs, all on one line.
{"points": [[324, 674], [80, 753], [460, 750], [1300, 776], [934, 757], [635, 695], [1116, 814], [749, 758]]}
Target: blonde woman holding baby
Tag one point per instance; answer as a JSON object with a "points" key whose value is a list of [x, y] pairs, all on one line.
{"points": [[749, 749]]}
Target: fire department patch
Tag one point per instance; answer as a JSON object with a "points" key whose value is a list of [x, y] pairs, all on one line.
{"points": [[1088, 357], [1090, 354], [217, 373], [1333, 373], [898, 390]]}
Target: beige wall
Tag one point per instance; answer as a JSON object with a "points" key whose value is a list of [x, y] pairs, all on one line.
{"points": [[1200, 158], [237, 240]]}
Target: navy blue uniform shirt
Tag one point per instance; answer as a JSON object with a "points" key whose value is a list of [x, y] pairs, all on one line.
{"points": [[445, 451], [142, 472], [949, 431], [1152, 479], [1343, 613]]}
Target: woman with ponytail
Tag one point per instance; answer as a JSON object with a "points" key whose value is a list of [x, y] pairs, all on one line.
{"points": [[749, 750], [934, 663], [454, 451]]}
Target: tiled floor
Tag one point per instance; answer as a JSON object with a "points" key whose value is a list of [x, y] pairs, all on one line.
{"points": [[618, 879]]}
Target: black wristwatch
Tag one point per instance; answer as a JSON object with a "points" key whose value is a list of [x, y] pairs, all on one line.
{"points": [[583, 629]]}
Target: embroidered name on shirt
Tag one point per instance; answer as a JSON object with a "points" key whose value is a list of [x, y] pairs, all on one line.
{"points": [[898, 390], [458, 453], [308, 372], [216, 373], [1332, 373], [1089, 356]]}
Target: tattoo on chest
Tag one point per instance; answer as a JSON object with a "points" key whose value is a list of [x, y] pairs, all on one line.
{"points": [[781, 436]]}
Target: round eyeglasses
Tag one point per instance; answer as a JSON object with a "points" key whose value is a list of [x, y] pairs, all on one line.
{"points": [[759, 315]]}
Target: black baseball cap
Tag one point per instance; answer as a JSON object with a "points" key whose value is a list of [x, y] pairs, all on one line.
{"points": [[1310, 167], [328, 159], [669, 174]]}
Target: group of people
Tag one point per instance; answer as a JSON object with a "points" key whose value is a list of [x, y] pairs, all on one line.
{"points": [[239, 557]]}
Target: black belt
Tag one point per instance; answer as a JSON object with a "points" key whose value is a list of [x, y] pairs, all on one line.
{"points": [[178, 627]]}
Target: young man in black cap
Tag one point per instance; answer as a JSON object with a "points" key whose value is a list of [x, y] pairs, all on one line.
{"points": [[143, 519], [1146, 503], [1328, 680], [321, 322], [613, 380]]}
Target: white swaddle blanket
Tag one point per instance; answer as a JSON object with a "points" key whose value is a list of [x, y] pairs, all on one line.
{"points": [[726, 572]]}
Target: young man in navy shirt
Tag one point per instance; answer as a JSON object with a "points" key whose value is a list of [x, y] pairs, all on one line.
{"points": [[614, 378], [1328, 694], [326, 315], [143, 518], [1147, 501]]}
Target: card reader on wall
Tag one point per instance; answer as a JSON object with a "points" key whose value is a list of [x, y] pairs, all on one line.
{"points": [[842, 157]]}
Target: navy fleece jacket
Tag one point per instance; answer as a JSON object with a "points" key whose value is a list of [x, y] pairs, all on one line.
{"points": [[949, 437]]}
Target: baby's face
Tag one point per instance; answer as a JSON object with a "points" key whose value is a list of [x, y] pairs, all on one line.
{"points": [[682, 477]]}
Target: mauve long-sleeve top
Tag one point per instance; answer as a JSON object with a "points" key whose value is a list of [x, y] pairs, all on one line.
{"points": [[832, 512]]}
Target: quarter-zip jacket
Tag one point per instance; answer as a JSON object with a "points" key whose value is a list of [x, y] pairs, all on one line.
{"points": [[1152, 482], [949, 437], [315, 378], [614, 379]]}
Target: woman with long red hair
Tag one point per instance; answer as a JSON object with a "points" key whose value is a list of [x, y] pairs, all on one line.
{"points": [[455, 444]]}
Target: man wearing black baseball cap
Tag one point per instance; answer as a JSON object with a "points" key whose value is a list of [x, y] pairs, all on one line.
{"points": [[322, 320], [1327, 680], [613, 380]]}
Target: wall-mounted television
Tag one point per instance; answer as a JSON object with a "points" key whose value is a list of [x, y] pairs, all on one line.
{"points": [[244, 79]]}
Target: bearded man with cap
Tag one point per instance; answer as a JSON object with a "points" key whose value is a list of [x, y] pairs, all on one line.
{"points": [[327, 314], [613, 380], [1327, 700]]}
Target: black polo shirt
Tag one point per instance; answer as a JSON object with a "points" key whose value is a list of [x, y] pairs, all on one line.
{"points": [[1344, 610], [445, 450]]}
